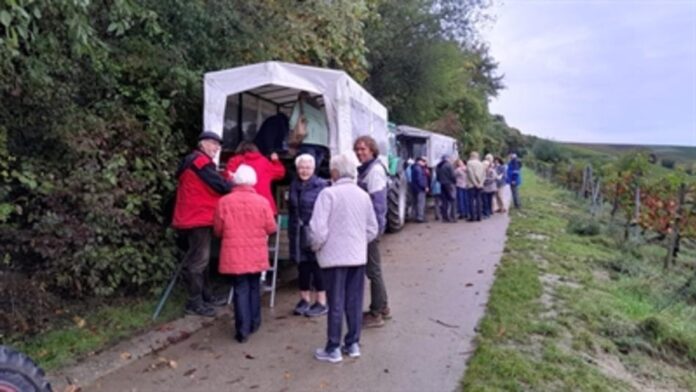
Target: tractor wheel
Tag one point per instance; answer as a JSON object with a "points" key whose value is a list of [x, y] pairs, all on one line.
{"points": [[18, 373], [397, 199]]}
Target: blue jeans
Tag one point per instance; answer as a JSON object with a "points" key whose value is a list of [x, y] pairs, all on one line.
{"points": [[344, 294], [247, 304], [488, 203], [462, 202]]}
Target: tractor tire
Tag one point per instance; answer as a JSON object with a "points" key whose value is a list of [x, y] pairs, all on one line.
{"points": [[397, 200], [18, 373]]}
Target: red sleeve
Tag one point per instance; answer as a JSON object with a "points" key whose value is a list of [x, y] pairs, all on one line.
{"points": [[277, 170], [200, 161], [232, 166]]}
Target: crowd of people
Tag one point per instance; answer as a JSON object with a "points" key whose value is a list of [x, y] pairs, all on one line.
{"points": [[463, 190], [333, 228]]}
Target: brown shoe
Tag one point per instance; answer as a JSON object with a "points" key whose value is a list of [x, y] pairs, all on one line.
{"points": [[372, 321]]}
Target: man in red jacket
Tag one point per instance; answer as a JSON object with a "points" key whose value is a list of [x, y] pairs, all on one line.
{"points": [[198, 191]]}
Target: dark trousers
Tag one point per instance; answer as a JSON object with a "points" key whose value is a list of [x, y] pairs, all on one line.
{"points": [[310, 275], [447, 197], [196, 259], [515, 195], [247, 304], [475, 203], [462, 202], [487, 203], [378, 290], [344, 293]]}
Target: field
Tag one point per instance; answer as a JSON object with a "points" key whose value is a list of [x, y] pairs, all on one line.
{"points": [[576, 307], [681, 155]]}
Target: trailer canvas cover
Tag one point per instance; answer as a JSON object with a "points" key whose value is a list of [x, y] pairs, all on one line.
{"points": [[350, 110]]}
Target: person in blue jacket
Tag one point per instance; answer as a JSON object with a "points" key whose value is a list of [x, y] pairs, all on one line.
{"points": [[514, 178], [419, 188]]}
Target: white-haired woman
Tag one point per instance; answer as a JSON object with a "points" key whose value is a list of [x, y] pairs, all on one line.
{"points": [[342, 224], [304, 191], [244, 220]]}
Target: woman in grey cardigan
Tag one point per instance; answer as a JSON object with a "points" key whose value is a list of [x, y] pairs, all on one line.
{"points": [[342, 224]]}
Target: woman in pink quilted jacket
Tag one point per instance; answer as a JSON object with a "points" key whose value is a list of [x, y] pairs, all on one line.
{"points": [[244, 220]]}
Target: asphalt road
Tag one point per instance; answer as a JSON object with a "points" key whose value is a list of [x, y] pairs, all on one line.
{"points": [[438, 276]]}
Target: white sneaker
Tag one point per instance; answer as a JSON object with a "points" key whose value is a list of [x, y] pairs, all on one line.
{"points": [[352, 351], [334, 356]]}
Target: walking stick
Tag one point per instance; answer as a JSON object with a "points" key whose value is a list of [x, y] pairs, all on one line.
{"points": [[167, 291]]}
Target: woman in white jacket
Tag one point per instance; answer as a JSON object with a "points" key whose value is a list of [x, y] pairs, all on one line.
{"points": [[343, 223]]}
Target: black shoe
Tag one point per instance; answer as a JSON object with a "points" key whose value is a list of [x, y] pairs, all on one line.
{"points": [[301, 308], [240, 338], [200, 309], [215, 300]]}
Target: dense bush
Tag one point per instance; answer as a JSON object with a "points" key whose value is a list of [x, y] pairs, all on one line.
{"points": [[99, 100]]}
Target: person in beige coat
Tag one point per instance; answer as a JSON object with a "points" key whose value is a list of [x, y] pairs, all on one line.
{"points": [[476, 174]]}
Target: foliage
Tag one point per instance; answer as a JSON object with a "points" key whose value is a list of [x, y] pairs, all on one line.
{"points": [[548, 151], [98, 101], [426, 66]]}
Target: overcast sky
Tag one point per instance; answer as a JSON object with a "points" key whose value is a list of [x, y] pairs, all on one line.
{"points": [[610, 71]]}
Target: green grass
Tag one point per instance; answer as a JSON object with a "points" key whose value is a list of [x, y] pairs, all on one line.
{"points": [[101, 328], [564, 299]]}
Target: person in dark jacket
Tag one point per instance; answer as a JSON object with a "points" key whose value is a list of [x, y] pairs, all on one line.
{"points": [[273, 132], [419, 188], [372, 177], [198, 190], [448, 181], [304, 191]]}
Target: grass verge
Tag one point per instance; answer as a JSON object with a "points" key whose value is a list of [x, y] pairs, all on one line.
{"points": [[575, 308], [85, 335]]}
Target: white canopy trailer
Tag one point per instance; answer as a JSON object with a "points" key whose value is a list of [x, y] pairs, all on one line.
{"points": [[350, 110], [432, 145]]}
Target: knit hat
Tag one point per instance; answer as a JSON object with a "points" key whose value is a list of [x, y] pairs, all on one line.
{"points": [[245, 175]]}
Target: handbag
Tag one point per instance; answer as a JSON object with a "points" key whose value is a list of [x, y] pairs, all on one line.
{"points": [[305, 243]]}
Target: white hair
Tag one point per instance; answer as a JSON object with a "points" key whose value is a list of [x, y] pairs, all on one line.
{"points": [[245, 175], [345, 165], [489, 157], [308, 158]]}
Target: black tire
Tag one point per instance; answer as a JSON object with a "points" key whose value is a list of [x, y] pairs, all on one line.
{"points": [[397, 199], [19, 373]]}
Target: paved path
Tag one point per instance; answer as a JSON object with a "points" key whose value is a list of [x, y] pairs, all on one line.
{"points": [[438, 276]]}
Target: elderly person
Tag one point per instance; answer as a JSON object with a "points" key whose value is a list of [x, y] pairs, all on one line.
{"points": [[462, 185], [197, 193], [476, 174], [304, 191], [343, 223], [372, 177], [244, 220], [490, 187], [501, 182]]}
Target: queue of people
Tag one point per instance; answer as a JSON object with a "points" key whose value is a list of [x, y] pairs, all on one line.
{"points": [[333, 232], [465, 190]]}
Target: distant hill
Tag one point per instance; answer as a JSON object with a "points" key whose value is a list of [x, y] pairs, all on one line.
{"points": [[681, 155]]}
